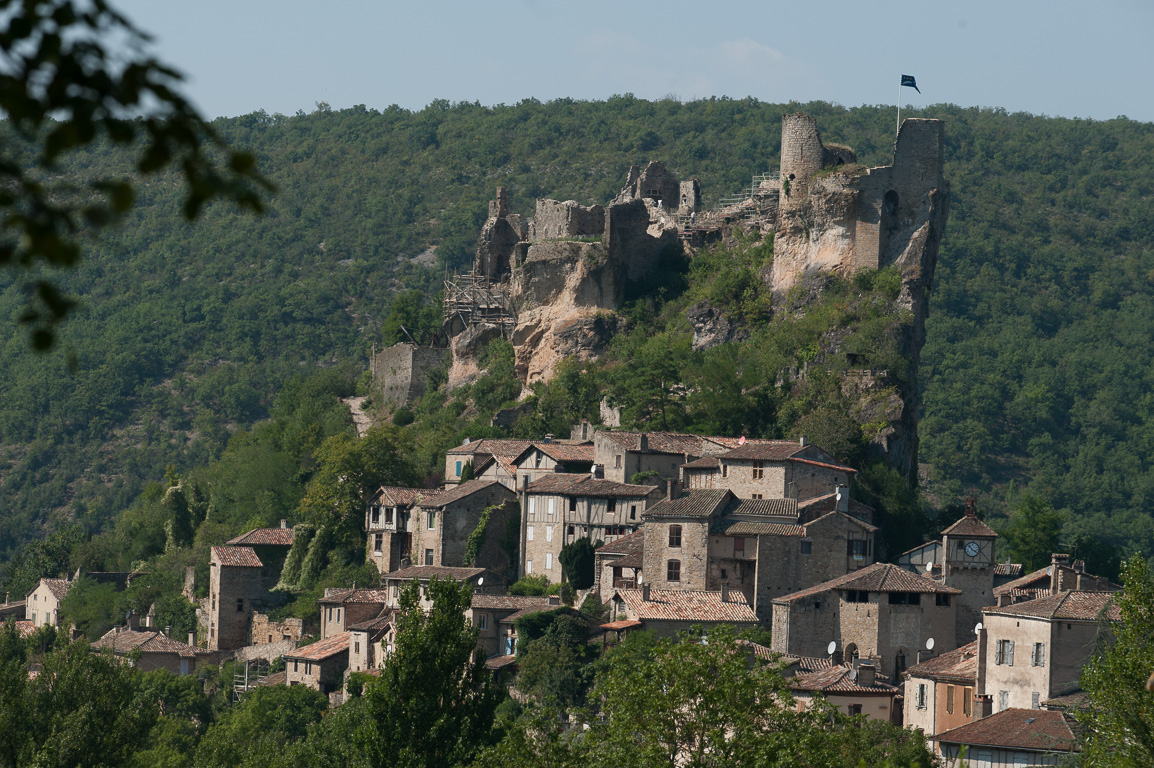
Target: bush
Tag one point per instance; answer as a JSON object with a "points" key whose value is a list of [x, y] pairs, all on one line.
{"points": [[532, 586], [403, 418]]}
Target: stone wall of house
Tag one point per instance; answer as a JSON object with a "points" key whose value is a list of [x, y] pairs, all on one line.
{"points": [[1068, 647], [265, 630], [401, 372], [739, 477], [693, 554], [233, 593], [267, 651]]}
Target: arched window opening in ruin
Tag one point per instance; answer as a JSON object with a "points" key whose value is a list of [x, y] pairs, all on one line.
{"points": [[890, 210], [851, 654]]}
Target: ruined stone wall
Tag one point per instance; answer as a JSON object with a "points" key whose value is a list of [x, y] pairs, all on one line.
{"points": [[690, 197], [554, 219], [401, 372], [265, 630], [801, 156]]}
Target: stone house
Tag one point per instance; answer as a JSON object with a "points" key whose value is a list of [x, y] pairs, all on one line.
{"points": [[624, 454], [1011, 737], [1059, 576], [617, 565], [769, 469], [236, 588], [320, 666], [42, 604], [341, 608], [401, 372], [667, 612], [387, 524], [487, 613], [264, 630], [939, 691], [880, 613], [1034, 651], [482, 580], [441, 525], [853, 690], [371, 642], [561, 508], [157, 650], [549, 456], [476, 452], [708, 539]]}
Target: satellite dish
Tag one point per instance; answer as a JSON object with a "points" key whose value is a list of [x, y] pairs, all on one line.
{"points": [[831, 647], [978, 628], [741, 441], [930, 644], [853, 674], [930, 567], [480, 581]]}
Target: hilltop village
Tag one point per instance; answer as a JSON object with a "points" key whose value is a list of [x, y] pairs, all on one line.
{"points": [[682, 530]]}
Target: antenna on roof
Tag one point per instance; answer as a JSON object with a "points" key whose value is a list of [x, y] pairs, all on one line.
{"points": [[978, 629], [930, 644], [831, 647]]}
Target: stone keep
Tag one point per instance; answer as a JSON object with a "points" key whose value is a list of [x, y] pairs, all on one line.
{"points": [[401, 372]]}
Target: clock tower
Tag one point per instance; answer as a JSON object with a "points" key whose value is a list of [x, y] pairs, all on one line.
{"points": [[968, 554]]}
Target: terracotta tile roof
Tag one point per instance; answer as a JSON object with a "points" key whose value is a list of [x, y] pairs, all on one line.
{"points": [[500, 662], [632, 560], [855, 520], [425, 572], [817, 506], [660, 442], [839, 679], [264, 537], [772, 450], [1035, 730], [1038, 578], [394, 496], [373, 625], [958, 664], [703, 503], [236, 557], [764, 507], [760, 651], [460, 491], [24, 628], [512, 602], [970, 525], [826, 464], [322, 649], [879, 577], [617, 626], [566, 452], [730, 527], [583, 484], [58, 587], [121, 640], [706, 462], [686, 605], [626, 545], [359, 596], [1077, 700], [1066, 606], [491, 445], [1007, 569]]}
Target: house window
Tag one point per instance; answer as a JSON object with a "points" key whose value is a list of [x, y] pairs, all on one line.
{"points": [[376, 514], [1004, 652], [1038, 657], [856, 548], [905, 598], [950, 699], [725, 470], [428, 557], [483, 621], [548, 533], [943, 600], [239, 604], [529, 533], [338, 615], [806, 547], [739, 547], [758, 470], [899, 663], [967, 698], [572, 503], [857, 596], [548, 561], [617, 461], [632, 511], [551, 500], [1035, 700], [532, 505], [673, 571], [920, 698], [1003, 700], [755, 496], [528, 566], [389, 516], [357, 646], [458, 469], [853, 709], [430, 518], [674, 536], [611, 506], [378, 543], [572, 530]]}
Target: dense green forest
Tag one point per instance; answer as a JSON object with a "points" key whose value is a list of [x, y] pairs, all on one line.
{"points": [[1036, 372]]}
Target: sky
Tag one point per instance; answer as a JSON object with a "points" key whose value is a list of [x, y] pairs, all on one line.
{"points": [[1069, 58]]}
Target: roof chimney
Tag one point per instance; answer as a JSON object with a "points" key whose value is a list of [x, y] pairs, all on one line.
{"points": [[283, 523], [524, 483], [866, 675], [548, 437], [192, 639], [725, 593], [642, 443], [842, 499], [1058, 561], [598, 471], [645, 592], [801, 441]]}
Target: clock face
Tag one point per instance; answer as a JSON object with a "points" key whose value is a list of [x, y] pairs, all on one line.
{"points": [[972, 549]]}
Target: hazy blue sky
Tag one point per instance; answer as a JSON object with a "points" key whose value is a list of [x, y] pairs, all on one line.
{"points": [[1061, 57]]}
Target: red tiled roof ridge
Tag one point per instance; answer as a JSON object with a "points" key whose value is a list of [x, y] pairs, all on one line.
{"points": [[1069, 605], [583, 484], [969, 525], [626, 545], [878, 577], [322, 649], [693, 605], [278, 537], [956, 664], [458, 492], [237, 557], [1039, 730]]}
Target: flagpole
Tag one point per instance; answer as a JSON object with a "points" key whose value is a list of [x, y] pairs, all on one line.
{"points": [[898, 127]]}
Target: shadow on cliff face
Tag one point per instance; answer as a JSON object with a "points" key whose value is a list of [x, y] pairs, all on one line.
{"points": [[665, 283]]}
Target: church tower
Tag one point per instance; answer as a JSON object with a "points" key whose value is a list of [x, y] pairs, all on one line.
{"points": [[968, 565]]}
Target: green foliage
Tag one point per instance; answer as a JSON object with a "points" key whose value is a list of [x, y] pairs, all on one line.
{"points": [[262, 725], [533, 585], [644, 478], [291, 571], [467, 471], [1032, 534], [413, 317], [593, 609], [403, 418], [577, 563], [477, 535], [1119, 720]]}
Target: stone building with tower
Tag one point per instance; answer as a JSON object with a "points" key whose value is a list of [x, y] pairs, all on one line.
{"points": [[241, 577]]}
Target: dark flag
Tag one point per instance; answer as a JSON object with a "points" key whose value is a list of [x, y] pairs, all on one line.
{"points": [[908, 80]]}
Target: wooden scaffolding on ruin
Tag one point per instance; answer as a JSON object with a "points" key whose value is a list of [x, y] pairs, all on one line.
{"points": [[472, 299]]}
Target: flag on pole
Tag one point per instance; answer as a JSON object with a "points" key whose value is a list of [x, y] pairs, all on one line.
{"points": [[908, 80]]}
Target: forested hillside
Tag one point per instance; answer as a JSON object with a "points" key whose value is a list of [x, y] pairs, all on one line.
{"points": [[1037, 370]]}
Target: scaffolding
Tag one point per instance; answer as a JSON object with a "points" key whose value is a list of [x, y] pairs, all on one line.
{"points": [[255, 674], [472, 299], [739, 206]]}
